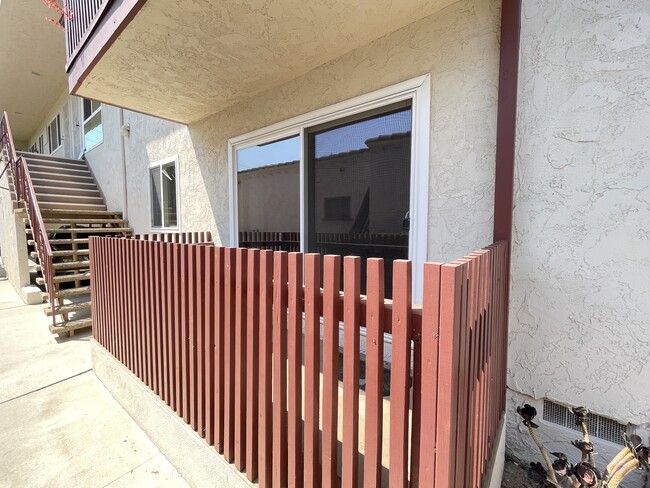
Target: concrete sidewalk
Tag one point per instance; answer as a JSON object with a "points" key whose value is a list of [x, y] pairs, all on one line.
{"points": [[59, 426]]}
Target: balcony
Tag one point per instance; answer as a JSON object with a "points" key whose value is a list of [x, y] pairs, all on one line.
{"points": [[184, 62]]}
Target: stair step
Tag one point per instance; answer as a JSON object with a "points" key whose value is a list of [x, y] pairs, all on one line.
{"points": [[71, 325], [47, 157], [45, 193], [85, 207], [47, 199], [54, 242], [66, 278], [88, 230], [41, 184], [49, 168], [57, 254], [71, 265], [83, 221], [70, 308], [54, 213], [71, 292], [49, 176], [56, 162]]}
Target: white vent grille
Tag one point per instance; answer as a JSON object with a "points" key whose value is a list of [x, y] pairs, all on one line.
{"points": [[600, 427]]}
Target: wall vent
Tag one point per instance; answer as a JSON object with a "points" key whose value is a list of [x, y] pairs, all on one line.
{"points": [[600, 427]]}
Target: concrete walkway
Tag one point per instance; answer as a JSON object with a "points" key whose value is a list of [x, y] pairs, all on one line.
{"points": [[59, 426]]}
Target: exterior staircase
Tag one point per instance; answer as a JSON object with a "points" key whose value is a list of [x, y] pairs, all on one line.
{"points": [[72, 208]]}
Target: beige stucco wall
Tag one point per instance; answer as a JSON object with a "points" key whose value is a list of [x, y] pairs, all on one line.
{"points": [[580, 297], [457, 46]]}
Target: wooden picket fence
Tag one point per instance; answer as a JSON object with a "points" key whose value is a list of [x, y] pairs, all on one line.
{"points": [[217, 334]]}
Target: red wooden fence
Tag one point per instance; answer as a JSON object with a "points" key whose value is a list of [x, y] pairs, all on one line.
{"points": [[217, 334]]}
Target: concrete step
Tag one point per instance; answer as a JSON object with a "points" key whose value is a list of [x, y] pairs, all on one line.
{"points": [[71, 325], [68, 266], [72, 171], [72, 292], [49, 176], [45, 192], [62, 213], [71, 206], [58, 254], [47, 199], [56, 163], [70, 308], [47, 157], [66, 278], [55, 242], [88, 230], [65, 183]]}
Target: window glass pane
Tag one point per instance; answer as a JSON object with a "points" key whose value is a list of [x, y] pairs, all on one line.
{"points": [[87, 108], [93, 131], [156, 197], [268, 189], [359, 189], [169, 195]]}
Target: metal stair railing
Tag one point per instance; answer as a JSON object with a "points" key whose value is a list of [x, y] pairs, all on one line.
{"points": [[25, 193]]}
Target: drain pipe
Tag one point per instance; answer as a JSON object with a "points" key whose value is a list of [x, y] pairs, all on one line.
{"points": [[124, 132]]}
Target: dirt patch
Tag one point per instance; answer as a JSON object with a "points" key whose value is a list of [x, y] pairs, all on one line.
{"points": [[516, 476]]}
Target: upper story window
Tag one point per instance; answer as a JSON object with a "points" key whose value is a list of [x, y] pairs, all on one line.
{"points": [[93, 129], [33, 149], [41, 144], [163, 190], [54, 133]]}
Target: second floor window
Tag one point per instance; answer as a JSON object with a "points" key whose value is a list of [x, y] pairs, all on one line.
{"points": [[93, 129]]}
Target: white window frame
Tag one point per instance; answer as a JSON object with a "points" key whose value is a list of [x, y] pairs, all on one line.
{"points": [[85, 120], [418, 90], [162, 162], [57, 120]]}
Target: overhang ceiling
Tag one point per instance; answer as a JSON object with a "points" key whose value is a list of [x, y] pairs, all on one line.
{"points": [[185, 60], [32, 62]]}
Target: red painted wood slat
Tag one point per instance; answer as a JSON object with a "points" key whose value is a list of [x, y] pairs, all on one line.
{"points": [[331, 315], [229, 356], [312, 370], [294, 347], [374, 373], [351, 360], [240, 358], [208, 344], [219, 349], [252, 364], [265, 458], [399, 375], [280, 369]]}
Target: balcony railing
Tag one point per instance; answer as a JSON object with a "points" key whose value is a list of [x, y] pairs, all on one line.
{"points": [[231, 340], [83, 16]]}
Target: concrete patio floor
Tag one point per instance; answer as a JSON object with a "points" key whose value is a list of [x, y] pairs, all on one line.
{"points": [[59, 426]]}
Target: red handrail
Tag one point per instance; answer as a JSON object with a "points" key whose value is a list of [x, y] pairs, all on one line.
{"points": [[24, 189]]}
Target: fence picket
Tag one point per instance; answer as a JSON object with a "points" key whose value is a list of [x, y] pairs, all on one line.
{"points": [[312, 370], [252, 364], [280, 369], [294, 352], [351, 319], [219, 304], [229, 355], [265, 443], [240, 358], [331, 317], [399, 375]]}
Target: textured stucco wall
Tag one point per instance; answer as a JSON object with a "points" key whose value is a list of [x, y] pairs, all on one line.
{"points": [[458, 46], [580, 297]]}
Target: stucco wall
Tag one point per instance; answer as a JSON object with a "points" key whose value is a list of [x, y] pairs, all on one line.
{"points": [[580, 297], [458, 46]]}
